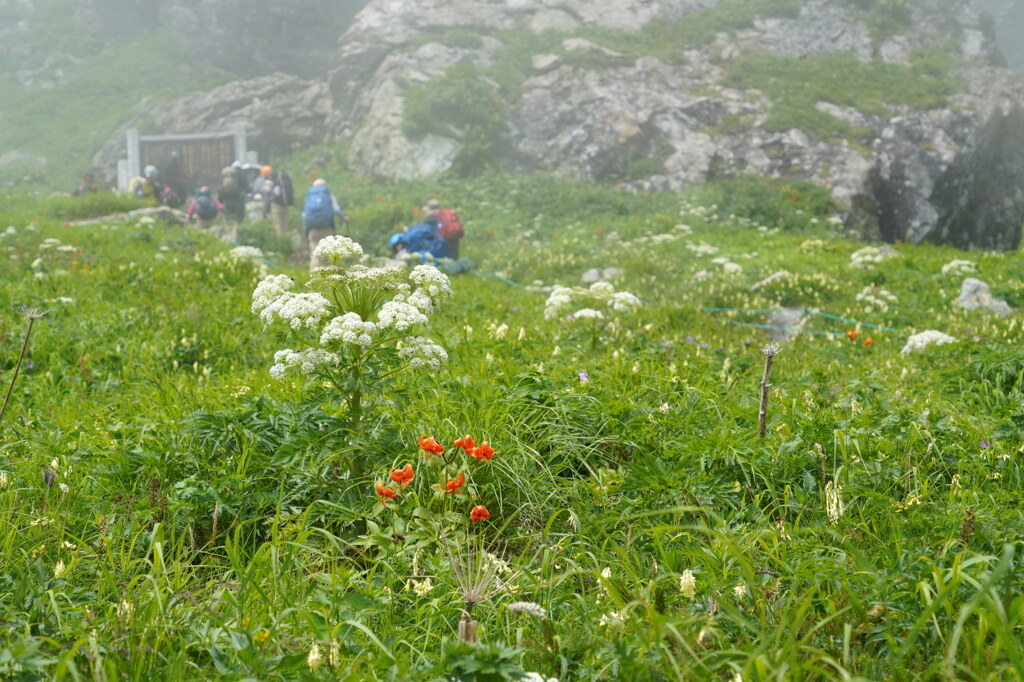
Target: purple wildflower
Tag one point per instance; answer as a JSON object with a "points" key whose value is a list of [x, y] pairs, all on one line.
{"points": [[584, 377]]}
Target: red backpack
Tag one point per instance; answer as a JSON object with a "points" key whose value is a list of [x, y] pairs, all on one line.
{"points": [[451, 226]]}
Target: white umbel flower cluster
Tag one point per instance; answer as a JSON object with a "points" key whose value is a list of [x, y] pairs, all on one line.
{"points": [[306, 361], [562, 299], [297, 310], [959, 267], [431, 282], [532, 608], [400, 316], [423, 352], [588, 314], [336, 248], [867, 257], [246, 253], [924, 339], [269, 290], [350, 328]]}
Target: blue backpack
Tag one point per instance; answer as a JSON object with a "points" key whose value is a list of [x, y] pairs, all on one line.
{"points": [[205, 208], [318, 213]]}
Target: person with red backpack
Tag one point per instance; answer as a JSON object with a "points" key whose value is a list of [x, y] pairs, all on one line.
{"points": [[450, 227]]}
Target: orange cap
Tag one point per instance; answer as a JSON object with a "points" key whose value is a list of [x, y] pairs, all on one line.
{"points": [[266, 171]]}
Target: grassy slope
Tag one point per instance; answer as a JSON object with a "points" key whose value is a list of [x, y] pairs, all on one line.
{"points": [[650, 468]]}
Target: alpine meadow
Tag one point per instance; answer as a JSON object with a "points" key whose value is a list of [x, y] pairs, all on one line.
{"points": [[727, 383]]}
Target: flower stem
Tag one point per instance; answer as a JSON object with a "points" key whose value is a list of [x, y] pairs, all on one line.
{"points": [[17, 368]]}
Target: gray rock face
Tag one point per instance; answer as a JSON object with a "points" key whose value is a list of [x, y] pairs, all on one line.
{"points": [[975, 295], [281, 111], [948, 174]]}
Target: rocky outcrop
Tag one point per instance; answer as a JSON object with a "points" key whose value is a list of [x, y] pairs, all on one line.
{"points": [[950, 173], [282, 112]]}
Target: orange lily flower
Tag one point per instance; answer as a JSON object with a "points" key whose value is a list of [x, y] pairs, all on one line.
{"points": [[483, 452], [453, 485], [869, 341], [479, 513], [430, 445], [853, 334], [385, 493], [466, 443], [402, 476]]}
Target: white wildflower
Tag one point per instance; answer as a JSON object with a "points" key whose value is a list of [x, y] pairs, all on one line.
{"points": [[740, 591], [624, 302], [537, 677], [588, 314], [59, 570], [297, 310], [423, 353], [559, 299], [269, 290], [246, 253], [497, 332], [422, 587], [688, 584], [399, 316], [834, 502], [925, 339], [959, 267], [307, 361], [866, 257], [420, 300], [731, 268], [613, 618], [351, 329], [334, 658], [529, 607], [602, 289], [63, 487], [431, 281], [314, 659], [334, 248]]}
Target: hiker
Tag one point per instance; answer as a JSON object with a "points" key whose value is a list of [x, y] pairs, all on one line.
{"points": [[148, 188], [88, 186], [231, 194], [450, 228], [205, 208], [273, 197], [172, 171], [422, 239], [318, 214]]}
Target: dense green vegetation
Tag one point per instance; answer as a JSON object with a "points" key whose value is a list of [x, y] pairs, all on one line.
{"points": [[169, 510]]}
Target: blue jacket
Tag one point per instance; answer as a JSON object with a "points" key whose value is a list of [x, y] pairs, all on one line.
{"points": [[423, 239]]}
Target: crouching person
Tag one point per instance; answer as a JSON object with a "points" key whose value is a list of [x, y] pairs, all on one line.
{"points": [[318, 215], [205, 208]]}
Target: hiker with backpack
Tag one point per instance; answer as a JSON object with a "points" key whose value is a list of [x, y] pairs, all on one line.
{"points": [[205, 208], [318, 215], [231, 194], [147, 188], [422, 239], [450, 227], [271, 192]]}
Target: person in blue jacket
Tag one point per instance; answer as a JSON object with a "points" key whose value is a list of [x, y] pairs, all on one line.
{"points": [[319, 214], [422, 239]]}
